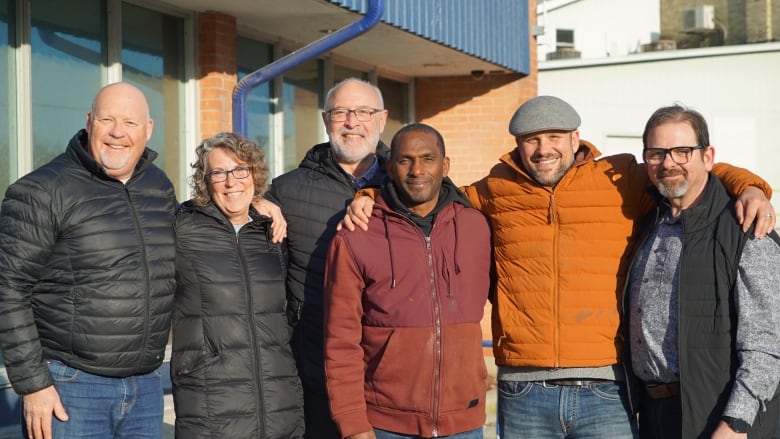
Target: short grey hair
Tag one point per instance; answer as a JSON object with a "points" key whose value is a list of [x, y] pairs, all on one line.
{"points": [[344, 82]]}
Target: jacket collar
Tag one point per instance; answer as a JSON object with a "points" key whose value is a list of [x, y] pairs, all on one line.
{"points": [[212, 211], [320, 158]]}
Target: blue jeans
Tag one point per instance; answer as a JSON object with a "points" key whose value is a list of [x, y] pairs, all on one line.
{"points": [[528, 409], [102, 407], [473, 434]]}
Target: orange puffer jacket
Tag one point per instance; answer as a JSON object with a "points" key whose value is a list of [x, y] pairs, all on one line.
{"points": [[560, 255]]}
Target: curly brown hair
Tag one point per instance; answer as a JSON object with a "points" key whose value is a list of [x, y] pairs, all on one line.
{"points": [[242, 149]]}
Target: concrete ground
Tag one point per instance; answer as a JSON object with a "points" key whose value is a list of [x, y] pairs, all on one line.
{"points": [[168, 418], [491, 402], [490, 406]]}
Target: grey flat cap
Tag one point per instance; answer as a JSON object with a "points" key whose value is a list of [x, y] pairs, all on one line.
{"points": [[544, 113]]}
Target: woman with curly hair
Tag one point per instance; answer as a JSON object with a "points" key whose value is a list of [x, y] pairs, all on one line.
{"points": [[232, 368]]}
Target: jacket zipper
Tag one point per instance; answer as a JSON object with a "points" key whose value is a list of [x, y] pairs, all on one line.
{"points": [[553, 219], [437, 339], [252, 335], [146, 276], [436, 323]]}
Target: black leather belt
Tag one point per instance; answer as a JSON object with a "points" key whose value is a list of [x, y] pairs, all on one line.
{"points": [[573, 382], [662, 390]]}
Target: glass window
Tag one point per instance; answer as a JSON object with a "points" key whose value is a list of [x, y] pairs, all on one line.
{"points": [[7, 99], [395, 96], [253, 55], [153, 60], [302, 112], [68, 48]]}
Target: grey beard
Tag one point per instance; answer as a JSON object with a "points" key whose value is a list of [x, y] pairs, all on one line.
{"points": [[676, 192]]}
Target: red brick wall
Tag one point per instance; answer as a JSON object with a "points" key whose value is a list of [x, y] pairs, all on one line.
{"points": [[473, 115], [217, 36]]}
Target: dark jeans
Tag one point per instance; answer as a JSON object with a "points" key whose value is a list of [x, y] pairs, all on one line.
{"points": [[660, 418], [316, 413]]}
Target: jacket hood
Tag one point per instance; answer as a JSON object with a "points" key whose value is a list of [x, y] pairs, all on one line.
{"points": [[78, 151], [448, 193], [388, 204]]}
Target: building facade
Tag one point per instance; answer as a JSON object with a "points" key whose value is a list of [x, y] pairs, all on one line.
{"points": [[459, 66], [568, 29], [706, 23]]}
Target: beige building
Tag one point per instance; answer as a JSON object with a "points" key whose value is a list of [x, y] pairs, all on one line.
{"points": [[705, 23]]}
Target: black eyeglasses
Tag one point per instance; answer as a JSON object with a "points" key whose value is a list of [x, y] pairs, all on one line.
{"points": [[239, 172], [361, 114], [679, 154]]}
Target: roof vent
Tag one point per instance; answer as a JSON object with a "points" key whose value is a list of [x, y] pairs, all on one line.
{"points": [[698, 19]]}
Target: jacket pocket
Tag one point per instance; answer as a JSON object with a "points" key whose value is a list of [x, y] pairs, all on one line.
{"points": [[61, 372], [463, 375], [192, 368], [400, 368]]}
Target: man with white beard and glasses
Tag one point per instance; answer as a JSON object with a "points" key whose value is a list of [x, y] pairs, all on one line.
{"points": [[312, 198]]}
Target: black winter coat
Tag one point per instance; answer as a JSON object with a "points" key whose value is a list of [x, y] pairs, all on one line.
{"points": [[313, 199], [86, 269], [232, 367]]}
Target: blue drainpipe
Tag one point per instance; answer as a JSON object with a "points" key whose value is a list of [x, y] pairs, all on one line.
{"points": [[264, 74]]}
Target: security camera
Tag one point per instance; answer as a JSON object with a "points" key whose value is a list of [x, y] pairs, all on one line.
{"points": [[477, 74]]}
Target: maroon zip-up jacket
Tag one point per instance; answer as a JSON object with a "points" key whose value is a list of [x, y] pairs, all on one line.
{"points": [[403, 347]]}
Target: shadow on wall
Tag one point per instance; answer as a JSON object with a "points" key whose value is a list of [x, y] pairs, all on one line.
{"points": [[435, 95]]}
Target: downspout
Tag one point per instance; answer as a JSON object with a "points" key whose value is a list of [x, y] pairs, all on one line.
{"points": [[264, 74]]}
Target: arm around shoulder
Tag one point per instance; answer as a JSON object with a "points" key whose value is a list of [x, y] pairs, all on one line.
{"points": [[753, 194], [736, 179]]}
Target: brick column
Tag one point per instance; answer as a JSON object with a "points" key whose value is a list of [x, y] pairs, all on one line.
{"points": [[217, 63]]}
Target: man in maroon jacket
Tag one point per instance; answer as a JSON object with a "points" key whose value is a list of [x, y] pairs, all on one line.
{"points": [[403, 303]]}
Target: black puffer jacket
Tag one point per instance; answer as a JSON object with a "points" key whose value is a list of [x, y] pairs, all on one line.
{"points": [[313, 198], [232, 367], [86, 269]]}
